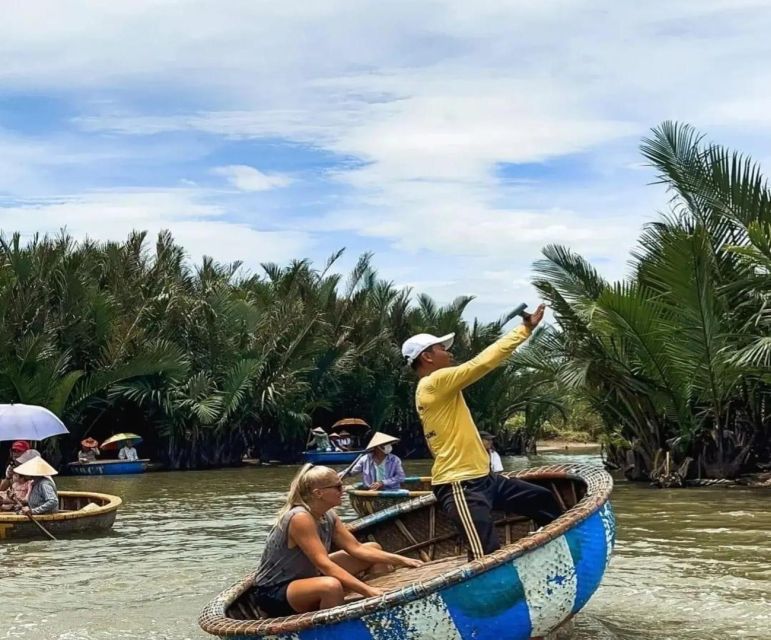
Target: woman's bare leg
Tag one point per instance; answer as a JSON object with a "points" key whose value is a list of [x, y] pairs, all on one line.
{"points": [[312, 594], [354, 566]]}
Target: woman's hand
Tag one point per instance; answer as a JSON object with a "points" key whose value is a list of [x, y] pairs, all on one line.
{"points": [[373, 592], [410, 562], [25, 511], [376, 486]]}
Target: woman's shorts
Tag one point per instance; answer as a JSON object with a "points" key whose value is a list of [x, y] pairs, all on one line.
{"points": [[272, 600]]}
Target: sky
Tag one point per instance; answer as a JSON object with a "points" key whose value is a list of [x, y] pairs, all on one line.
{"points": [[454, 140]]}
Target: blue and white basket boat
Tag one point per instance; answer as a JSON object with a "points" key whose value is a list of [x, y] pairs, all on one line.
{"points": [[527, 589], [108, 467]]}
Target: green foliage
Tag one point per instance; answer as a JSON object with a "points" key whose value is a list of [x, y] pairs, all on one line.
{"points": [[205, 362], [676, 357]]}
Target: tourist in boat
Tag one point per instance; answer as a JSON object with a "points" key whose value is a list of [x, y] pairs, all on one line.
{"points": [[380, 468], [128, 452], [17, 448], [461, 477], [16, 494], [42, 497], [496, 466], [334, 440], [297, 572], [320, 440], [89, 449], [344, 441]]}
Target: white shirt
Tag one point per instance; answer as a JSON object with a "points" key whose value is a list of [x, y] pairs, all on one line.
{"points": [[495, 462], [128, 453]]}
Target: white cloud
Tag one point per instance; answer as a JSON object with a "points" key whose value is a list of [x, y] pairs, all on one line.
{"points": [[246, 178], [197, 224], [423, 101]]}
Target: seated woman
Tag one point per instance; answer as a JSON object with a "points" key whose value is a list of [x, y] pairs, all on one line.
{"points": [[380, 469], [128, 452], [16, 494], [344, 441], [17, 449], [496, 466], [42, 497], [297, 572], [89, 449]]}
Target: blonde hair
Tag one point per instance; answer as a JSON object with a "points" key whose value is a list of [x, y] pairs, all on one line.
{"points": [[308, 478]]}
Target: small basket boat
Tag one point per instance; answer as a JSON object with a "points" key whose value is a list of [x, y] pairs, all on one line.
{"points": [[328, 458], [527, 589], [79, 512], [108, 467], [365, 502]]}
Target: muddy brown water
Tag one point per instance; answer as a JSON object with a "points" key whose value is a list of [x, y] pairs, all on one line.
{"points": [[689, 564]]}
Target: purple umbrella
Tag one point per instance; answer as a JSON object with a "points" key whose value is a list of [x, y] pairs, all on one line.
{"points": [[28, 422]]}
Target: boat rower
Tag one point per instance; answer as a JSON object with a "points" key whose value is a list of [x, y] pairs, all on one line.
{"points": [[461, 478]]}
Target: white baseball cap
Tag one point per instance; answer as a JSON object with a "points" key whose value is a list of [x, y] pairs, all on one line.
{"points": [[416, 345]]}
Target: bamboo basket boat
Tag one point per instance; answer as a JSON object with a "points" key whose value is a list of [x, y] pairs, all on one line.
{"points": [[365, 502], [74, 517], [527, 589], [108, 467]]}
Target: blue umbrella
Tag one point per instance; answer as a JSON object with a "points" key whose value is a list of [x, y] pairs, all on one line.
{"points": [[28, 422]]}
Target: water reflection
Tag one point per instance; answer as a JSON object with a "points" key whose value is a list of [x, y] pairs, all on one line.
{"points": [[690, 565]]}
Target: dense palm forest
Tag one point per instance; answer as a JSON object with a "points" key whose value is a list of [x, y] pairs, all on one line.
{"points": [[207, 362]]}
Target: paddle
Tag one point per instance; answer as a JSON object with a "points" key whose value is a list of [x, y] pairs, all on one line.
{"points": [[347, 470], [31, 517]]}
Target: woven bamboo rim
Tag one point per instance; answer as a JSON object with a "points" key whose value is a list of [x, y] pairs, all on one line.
{"points": [[599, 485], [111, 504]]}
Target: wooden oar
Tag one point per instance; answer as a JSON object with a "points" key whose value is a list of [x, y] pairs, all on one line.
{"points": [[346, 471], [31, 517]]}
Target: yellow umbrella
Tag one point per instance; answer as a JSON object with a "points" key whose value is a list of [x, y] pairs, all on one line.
{"points": [[113, 441]]}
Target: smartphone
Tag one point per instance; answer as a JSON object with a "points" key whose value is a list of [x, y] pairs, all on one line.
{"points": [[519, 310]]}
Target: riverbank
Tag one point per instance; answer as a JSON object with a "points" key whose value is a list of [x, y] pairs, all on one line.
{"points": [[552, 446]]}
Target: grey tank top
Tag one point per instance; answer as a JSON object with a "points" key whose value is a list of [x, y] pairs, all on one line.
{"points": [[279, 563]]}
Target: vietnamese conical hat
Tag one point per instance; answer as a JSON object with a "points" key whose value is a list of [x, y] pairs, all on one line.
{"points": [[34, 468], [379, 439]]}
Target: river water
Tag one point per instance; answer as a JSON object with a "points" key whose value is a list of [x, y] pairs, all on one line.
{"points": [[689, 564]]}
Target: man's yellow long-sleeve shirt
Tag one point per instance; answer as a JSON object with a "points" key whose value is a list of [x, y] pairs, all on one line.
{"points": [[450, 431]]}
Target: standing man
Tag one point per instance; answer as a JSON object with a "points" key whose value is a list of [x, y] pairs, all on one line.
{"points": [[461, 477]]}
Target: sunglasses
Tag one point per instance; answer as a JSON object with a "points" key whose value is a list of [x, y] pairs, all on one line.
{"points": [[338, 486]]}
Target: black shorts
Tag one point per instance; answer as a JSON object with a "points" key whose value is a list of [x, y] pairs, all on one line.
{"points": [[470, 503], [272, 600]]}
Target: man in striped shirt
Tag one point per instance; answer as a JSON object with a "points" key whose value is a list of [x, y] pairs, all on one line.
{"points": [[461, 477]]}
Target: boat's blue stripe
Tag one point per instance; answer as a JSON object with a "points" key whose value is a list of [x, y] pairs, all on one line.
{"points": [[348, 630], [587, 544], [483, 607]]}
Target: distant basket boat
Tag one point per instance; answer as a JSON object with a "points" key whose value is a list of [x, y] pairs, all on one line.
{"points": [[331, 457], [108, 467], [365, 502], [79, 512], [534, 584]]}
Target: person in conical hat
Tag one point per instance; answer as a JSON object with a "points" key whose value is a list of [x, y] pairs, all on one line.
{"points": [[42, 497], [320, 440], [89, 449], [379, 467]]}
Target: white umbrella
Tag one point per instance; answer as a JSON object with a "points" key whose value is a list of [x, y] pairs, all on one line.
{"points": [[28, 422]]}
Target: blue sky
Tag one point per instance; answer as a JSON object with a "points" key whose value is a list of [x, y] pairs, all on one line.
{"points": [[453, 139]]}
